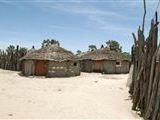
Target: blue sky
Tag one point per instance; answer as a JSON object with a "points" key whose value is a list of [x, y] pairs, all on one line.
{"points": [[75, 23]]}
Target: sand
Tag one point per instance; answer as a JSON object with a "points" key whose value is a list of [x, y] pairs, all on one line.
{"points": [[91, 95]]}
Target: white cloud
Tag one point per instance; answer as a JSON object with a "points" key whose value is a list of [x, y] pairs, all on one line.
{"points": [[95, 15], [85, 9]]}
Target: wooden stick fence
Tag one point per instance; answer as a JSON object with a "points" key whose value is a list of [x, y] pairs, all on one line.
{"points": [[145, 86]]}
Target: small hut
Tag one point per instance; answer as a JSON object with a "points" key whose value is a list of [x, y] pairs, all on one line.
{"points": [[105, 61], [50, 61]]}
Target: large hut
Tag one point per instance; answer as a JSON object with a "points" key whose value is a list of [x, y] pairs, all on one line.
{"points": [[50, 61], [105, 61]]}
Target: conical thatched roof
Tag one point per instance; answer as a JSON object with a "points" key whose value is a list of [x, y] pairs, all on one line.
{"points": [[104, 54], [51, 53]]}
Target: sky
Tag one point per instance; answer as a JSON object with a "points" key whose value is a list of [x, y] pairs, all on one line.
{"points": [[76, 24]]}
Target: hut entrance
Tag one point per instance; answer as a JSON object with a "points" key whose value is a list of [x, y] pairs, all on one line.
{"points": [[41, 68], [29, 68], [97, 65]]}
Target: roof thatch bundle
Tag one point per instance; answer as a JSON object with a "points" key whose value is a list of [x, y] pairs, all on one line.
{"points": [[52, 53], [104, 54]]}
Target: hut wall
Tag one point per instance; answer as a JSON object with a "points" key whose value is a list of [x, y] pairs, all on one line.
{"points": [[105, 66], [86, 66], [111, 67], [29, 68], [123, 68], [108, 67], [63, 69], [73, 68]]}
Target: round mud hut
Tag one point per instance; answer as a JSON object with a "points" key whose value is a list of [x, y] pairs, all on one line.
{"points": [[104, 61], [50, 61]]}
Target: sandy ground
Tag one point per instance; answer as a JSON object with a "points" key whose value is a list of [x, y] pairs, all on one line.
{"points": [[91, 95]]}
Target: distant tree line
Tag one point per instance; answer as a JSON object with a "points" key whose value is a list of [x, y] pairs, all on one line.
{"points": [[113, 45], [9, 58]]}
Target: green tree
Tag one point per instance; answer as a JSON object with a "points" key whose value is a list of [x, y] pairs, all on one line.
{"points": [[49, 42], [10, 49], [92, 47], [114, 45], [45, 43], [52, 41], [79, 52], [127, 55], [9, 59], [22, 52]]}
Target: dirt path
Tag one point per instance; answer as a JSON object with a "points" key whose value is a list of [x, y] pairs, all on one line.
{"points": [[90, 95]]}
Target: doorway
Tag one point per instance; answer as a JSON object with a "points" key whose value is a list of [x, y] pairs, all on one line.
{"points": [[41, 68]]}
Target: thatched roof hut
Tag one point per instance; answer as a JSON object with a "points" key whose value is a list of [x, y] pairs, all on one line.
{"points": [[105, 61], [104, 54], [52, 61], [51, 53]]}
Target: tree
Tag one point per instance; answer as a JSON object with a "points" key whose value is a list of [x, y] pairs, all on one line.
{"points": [[114, 45], [9, 59], [126, 54], [54, 42], [79, 52], [92, 47], [47, 42], [10, 49], [22, 52]]}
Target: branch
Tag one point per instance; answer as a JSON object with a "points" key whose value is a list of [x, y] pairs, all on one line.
{"points": [[144, 2]]}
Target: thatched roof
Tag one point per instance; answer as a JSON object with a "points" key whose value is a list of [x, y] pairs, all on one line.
{"points": [[51, 53], [104, 54]]}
